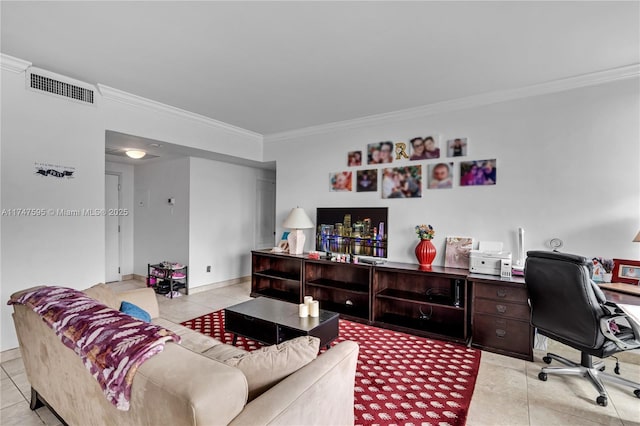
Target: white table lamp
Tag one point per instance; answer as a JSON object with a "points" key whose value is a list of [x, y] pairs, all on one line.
{"points": [[297, 221]]}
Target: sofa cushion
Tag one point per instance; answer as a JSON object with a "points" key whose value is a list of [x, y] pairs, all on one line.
{"points": [[135, 311], [223, 352], [192, 340], [103, 294], [267, 366]]}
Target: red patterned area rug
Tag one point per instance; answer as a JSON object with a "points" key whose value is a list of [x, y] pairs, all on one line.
{"points": [[400, 379]]}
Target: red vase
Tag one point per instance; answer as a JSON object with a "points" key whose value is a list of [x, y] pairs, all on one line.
{"points": [[425, 252]]}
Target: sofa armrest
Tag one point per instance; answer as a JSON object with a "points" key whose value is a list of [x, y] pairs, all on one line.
{"points": [[142, 297], [330, 378]]}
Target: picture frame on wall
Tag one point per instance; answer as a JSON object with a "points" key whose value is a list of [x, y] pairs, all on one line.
{"points": [[354, 158], [341, 181], [626, 271], [457, 147], [380, 152], [402, 182], [424, 148], [367, 180], [440, 176], [478, 172]]}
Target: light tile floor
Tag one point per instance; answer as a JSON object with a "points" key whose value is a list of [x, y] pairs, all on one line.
{"points": [[507, 391]]}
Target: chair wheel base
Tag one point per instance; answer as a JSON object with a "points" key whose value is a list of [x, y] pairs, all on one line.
{"points": [[546, 359], [637, 393], [602, 401], [542, 376]]}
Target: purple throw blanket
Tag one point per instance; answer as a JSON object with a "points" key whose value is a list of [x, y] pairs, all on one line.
{"points": [[111, 344]]}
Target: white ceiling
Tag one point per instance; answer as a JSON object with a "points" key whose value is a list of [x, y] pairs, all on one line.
{"points": [[271, 67]]}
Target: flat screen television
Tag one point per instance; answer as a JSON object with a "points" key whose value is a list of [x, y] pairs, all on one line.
{"points": [[358, 231]]}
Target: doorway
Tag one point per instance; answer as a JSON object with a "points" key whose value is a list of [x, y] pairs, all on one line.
{"points": [[112, 228]]}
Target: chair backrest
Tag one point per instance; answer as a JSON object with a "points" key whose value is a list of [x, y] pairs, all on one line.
{"points": [[564, 305]]}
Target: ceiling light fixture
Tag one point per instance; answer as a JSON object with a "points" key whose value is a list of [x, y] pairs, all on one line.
{"points": [[135, 154]]}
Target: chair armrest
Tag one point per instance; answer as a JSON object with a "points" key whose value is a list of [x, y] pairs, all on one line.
{"points": [[609, 325], [145, 298]]}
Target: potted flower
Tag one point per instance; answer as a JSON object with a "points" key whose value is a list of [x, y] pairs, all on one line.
{"points": [[425, 250]]}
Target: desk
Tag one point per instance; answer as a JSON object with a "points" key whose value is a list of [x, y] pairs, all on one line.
{"points": [[628, 294], [500, 316]]}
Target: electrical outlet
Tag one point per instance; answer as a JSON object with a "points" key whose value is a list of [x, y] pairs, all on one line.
{"points": [[209, 268]]}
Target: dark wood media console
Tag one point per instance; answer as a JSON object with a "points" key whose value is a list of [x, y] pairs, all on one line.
{"points": [[484, 311]]}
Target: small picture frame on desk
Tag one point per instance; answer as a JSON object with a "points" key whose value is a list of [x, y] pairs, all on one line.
{"points": [[626, 271]]}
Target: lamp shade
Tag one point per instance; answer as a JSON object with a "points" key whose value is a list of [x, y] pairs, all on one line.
{"points": [[637, 238], [297, 219]]}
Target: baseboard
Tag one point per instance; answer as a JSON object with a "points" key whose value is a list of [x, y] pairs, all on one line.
{"points": [[10, 354], [194, 290], [129, 277], [136, 277]]}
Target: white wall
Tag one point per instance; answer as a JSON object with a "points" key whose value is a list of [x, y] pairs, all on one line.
{"points": [[567, 168], [51, 249], [161, 230], [125, 172], [222, 220], [42, 128]]}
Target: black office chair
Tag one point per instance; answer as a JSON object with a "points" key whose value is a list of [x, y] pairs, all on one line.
{"points": [[568, 307]]}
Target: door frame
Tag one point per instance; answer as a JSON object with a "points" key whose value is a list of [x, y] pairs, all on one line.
{"points": [[119, 176]]}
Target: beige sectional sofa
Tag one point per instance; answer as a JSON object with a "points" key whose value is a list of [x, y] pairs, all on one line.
{"points": [[187, 384]]}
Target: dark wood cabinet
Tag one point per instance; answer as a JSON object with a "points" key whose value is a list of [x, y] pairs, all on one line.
{"points": [[500, 316], [276, 276], [428, 303], [488, 312], [344, 288]]}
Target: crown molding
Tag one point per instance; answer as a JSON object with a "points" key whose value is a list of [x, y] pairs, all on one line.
{"points": [[13, 64], [592, 79], [140, 102]]}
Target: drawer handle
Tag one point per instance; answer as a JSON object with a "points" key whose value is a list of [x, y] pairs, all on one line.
{"points": [[500, 333], [501, 293], [249, 318], [501, 309]]}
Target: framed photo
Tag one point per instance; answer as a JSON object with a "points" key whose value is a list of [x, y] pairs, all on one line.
{"points": [[402, 182], [340, 181], [354, 158], [626, 271], [480, 172], [380, 153], [457, 147], [457, 252], [367, 180], [440, 175], [424, 148]]}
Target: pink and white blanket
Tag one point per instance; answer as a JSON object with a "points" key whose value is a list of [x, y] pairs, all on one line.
{"points": [[111, 344]]}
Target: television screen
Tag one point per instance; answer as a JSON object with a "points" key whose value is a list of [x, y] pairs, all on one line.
{"points": [[359, 231]]}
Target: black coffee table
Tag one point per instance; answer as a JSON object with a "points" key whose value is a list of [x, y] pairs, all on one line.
{"points": [[272, 321]]}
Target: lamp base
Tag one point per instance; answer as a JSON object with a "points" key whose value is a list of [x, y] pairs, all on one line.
{"points": [[296, 240]]}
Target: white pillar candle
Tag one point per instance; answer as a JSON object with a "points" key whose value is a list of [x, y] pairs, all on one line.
{"points": [[307, 301], [303, 310], [315, 309]]}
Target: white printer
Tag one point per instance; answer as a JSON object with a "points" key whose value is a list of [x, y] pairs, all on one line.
{"points": [[490, 259]]}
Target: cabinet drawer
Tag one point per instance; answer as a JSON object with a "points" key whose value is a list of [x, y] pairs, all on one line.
{"points": [[247, 326], [501, 308], [502, 333], [501, 292]]}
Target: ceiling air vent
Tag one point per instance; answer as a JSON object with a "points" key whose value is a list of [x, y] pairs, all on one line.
{"points": [[58, 85]]}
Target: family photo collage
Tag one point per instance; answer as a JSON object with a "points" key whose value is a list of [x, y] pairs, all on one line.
{"points": [[407, 180]]}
